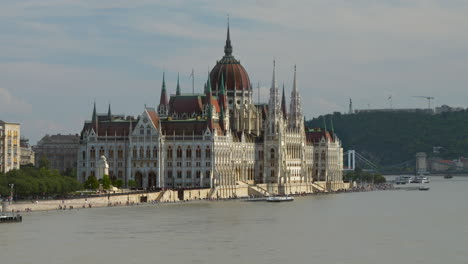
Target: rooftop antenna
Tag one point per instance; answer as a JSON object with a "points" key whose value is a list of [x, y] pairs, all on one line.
{"points": [[390, 100]]}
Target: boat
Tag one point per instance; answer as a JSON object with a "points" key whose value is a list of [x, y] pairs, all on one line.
{"points": [[277, 199], [10, 218], [424, 188], [448, 176], [404, 179], [421, 179], [256, 199]]}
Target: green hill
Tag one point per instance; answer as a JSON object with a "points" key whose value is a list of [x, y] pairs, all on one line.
{"points": [[391, 138]]}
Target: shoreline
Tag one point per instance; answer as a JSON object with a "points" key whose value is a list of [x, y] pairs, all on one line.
{"points": [[105, 201]]}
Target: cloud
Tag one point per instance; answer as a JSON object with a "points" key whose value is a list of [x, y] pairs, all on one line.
{"points": [[9, 104]]}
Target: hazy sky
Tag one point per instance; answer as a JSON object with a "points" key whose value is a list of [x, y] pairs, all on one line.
{"points": [[58, 56]]}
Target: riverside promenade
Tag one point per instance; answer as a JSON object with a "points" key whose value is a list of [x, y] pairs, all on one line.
{"points": [[171, 196]]}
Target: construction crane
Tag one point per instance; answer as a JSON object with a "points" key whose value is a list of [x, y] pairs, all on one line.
{"points": [[428, 98]]}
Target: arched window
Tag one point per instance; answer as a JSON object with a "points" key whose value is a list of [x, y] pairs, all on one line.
{"points": [[84, 154], [142, 130], [179, 152], [142, 152], [101, 152], [148, 152], [169, 152], [208, 152], [155, 152], [198, 152], [188, 153], [111, 153], [92, 153], [148, 130], [134, 152], [120, 153], [322, 155], [272, 153]]}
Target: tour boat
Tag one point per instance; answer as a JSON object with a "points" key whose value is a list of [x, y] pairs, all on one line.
{"points": [[10, 219], [448, 176], [423, 188], [256, 199], [277, 199]]}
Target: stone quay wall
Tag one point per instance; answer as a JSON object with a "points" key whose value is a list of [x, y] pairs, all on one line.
{"points": [[221, 192]]}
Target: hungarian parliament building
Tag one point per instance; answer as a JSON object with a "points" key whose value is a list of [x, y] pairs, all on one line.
{"points": [[217, 138]]}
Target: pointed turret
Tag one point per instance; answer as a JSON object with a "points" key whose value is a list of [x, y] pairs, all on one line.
{"points": [[283, 104], [163, 108], [274, 100], [178, 85], [295, 110], [228, 46], [95, 120], [109, 114]]}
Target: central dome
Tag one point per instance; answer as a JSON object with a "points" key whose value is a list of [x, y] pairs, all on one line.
{"points": [[234, 75]]}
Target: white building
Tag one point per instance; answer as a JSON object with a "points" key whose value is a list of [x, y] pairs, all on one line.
{"points": [[218, 138], [10, 152]]}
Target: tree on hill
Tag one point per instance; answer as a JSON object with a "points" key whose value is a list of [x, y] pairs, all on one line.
{"points": [[390, 138]]}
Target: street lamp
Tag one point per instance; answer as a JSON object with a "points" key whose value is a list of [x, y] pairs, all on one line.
{"points": [[11, 191]]}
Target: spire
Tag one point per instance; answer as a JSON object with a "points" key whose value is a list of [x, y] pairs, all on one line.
{"points": [[228, 47], [283, 104], [178, 85], [94, 118], [163, 108], [163, 99], [332, 127], [324, 123], [109, 113], [295, 108], [274, 101]]}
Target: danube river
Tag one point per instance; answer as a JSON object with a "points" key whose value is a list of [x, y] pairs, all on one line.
{"points": [[374, 227]]}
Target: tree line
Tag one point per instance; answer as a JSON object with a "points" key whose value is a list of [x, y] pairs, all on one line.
{"points": [[393, 138]]}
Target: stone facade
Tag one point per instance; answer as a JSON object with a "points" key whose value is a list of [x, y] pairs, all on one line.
{"points": [[219, 139], [60, 150], [10, 151], [27, 154]]}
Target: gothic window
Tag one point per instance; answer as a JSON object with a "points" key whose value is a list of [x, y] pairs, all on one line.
{"points": [[148, 152], [84, 155], [92, 153], [272, 173], [111, 153], [188, 175], [148, 130], [155, 152], [208, 152], [179, 152], [316, 156], [323, 155], [188, 152], [169, 152], [142, 130], [198, 152], [198, 173], [134, 152], [272, 153], [101, 152], [179, 174], [120, 153], [208, 174], [142, 153], [169, 174]]}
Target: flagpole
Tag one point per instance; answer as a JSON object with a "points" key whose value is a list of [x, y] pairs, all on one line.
{"points": [[193, 81]]}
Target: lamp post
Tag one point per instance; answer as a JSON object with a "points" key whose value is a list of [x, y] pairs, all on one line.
{"points": [[11, 191]]}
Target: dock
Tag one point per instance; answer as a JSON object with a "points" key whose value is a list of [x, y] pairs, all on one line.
{"points": [[10, 218]]}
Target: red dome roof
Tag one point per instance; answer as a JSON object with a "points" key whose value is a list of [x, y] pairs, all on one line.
{"points": [[234, 75]]}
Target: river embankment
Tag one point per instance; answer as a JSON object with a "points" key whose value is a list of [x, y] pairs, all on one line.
{"points": [[145, 198]]}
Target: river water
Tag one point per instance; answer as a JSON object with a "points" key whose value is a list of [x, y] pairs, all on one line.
{"points": [[374, 227]]}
